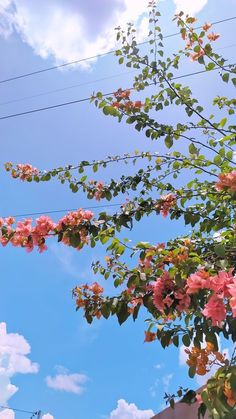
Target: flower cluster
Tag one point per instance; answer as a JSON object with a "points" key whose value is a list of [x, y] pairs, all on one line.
{"points": [[227, 182], [168, 296], [146, 262], [74, 219], [193, 41], [99, 190], [28, 236], [204, 359], [166, 203], [171, 297], [22, 171], [149, 336], [89, 296], [123, 101], [222, 287]]}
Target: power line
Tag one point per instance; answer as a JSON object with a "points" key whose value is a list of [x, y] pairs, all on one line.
{"points": [[81, 84], [19, 410], [93, 57], [32, 214], [67, 88], [72, 102]]}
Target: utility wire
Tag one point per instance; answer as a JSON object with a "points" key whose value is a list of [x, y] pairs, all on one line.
{"points": [[33, 73], [18, 410], [82, 84], [32, 214], [72, 102], [67, 88]]}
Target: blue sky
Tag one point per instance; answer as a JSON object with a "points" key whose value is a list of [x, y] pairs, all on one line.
{"points": [[72, 370]]}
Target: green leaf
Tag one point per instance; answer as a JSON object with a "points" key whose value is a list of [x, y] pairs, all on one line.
{"points": [[193, 149], [225, 77], [176, 340], [168, 141], [211, 338], [104, 239], [202, 410], [75, 240], [122, 312], [186, 340], [189, 397], [192, 371], [223, 122], [220, 250], [106, 110], [210, 66], [136, 310], [217, 160], [105, 310]]}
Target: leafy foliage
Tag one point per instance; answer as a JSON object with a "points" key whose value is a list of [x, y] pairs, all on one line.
{"points": [[188, 284]]}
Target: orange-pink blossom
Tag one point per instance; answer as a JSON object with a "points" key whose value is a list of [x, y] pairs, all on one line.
{"points": [[227, 181]]}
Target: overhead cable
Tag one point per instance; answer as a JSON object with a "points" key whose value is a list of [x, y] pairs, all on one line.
{"points": [[73, 102], [93, 57], [33, 214]]}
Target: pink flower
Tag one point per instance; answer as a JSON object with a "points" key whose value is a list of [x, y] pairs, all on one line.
{"points": [[168, 301], [96, 288], [150, 336], [232, 301], [220, 283], [166, 202], [161, 286], [227, 181], [184, 301], [99, 191], [198, 281], [24, 171], [196, 55], [207, 26], [215, 310], [9, 220], [213, 36]]}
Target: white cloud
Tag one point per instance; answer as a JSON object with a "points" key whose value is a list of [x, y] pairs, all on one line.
{"points": [[125, 410], [47, 416], [14, 351], [7, 414], [192, 7], [71, 383], [68, 31]]}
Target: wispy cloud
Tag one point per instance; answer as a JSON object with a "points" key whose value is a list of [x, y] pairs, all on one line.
{"points": [[71, 383], [166, 380], [161, 382], [158, 366], [66, 258], [154, 388]]}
